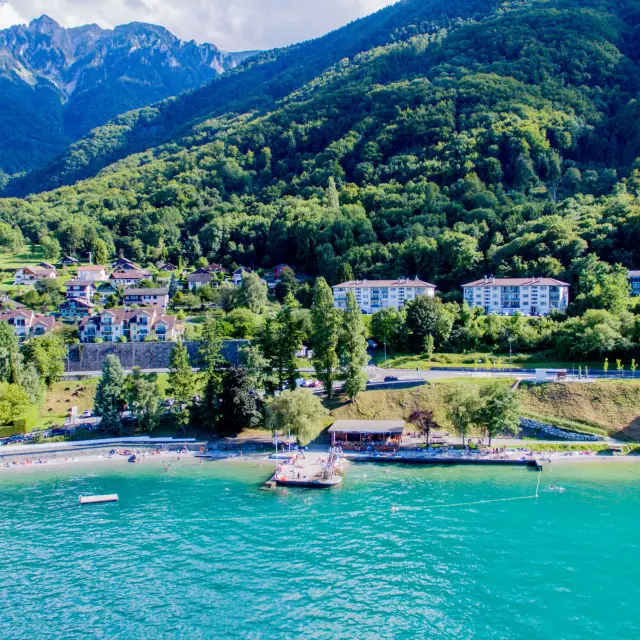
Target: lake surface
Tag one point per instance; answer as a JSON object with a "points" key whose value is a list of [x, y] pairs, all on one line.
{"points": [[170, 561]]}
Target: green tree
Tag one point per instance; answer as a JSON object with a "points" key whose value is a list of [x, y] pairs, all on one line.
{"points": [[298, 411], [252, 293], [353, 349], [33, 384], [281, 338], [10, 356], [325, 334], [182, 386], [499, 413], [428, 316], [464, 404], [14, 401], [287, 284], [173, 286], [211, 371], [333, 200], [424, 421], [240, 404], [99, 251], [48, 353], [142, 395], [109, 394], [50, 248]]}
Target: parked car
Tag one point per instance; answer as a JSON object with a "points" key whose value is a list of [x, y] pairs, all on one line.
{"points": [[391, 379], [87, 414]]}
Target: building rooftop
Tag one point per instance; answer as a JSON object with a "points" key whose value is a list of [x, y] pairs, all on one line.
{"points": [[131, 274], [146, 292], [79, 283], [400, 282], [199, 277], [367, 426], [517, 282], [92, 267]]}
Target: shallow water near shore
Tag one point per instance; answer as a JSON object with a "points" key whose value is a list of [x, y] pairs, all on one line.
{"points": [[172, 559]]}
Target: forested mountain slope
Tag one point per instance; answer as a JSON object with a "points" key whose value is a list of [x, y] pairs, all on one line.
{"points": [[56, 84], [257, 84], [505, 144]]}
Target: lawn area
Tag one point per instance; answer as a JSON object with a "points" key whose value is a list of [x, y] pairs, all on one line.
{"points": [[477, 360], [13, 261]]}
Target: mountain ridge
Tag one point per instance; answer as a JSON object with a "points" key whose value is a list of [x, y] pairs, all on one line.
{"points": [[65, 82]]}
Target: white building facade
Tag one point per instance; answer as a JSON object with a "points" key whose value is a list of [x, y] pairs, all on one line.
{"points": [[374, 295], [508, 296]]}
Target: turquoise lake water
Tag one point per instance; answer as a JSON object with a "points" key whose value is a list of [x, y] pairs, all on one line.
{"points": [[169, 560]]}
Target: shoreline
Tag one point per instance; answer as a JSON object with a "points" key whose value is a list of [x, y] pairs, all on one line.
{"points": [[25, 463]]}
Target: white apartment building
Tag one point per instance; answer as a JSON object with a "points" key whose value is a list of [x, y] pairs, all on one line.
{"points": [[374, 295], [508, 296]]}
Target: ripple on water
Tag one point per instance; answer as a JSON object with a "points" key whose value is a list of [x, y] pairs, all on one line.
{"points": [[172, 559]]}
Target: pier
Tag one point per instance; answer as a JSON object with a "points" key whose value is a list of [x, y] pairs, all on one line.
{"points": [[312, 470]]}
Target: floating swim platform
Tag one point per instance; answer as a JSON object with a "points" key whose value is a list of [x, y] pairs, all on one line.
{"points": [[112, 497]]}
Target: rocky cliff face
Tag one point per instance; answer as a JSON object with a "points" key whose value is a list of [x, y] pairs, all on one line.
{"points": [[56, 84]]}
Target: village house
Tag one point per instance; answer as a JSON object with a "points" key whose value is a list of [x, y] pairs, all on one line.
{"points": [[31, 275], [105, 290], [130, 277], [508, 296], [80, 289], [196, 280], [277, 271], [69, 261], [137, 325], [76, 308], [215, 268], [92, 272], [147, 297], [374, 295], [238, 275], [46, 265], [122, 264], [26, 324]]}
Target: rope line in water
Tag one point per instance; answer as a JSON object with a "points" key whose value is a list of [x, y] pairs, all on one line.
{"points": [[393, 510]]}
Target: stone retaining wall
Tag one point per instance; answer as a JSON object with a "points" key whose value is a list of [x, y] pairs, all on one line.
{"points": [[147, 355], [556, 432]]}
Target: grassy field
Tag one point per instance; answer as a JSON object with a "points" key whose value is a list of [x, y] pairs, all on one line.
{"points": [[477, 360], [609, 405], [392, 404], [606, 408]]}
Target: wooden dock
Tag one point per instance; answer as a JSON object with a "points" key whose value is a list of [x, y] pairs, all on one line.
{"points": [[308, 471], [112, 497]]}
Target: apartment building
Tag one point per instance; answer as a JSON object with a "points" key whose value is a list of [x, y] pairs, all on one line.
{"points": [[26, 324], [76, 308], [508, 296], [374, 295], [133, 325]]}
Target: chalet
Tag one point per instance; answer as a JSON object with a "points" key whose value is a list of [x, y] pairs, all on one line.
{"points": [[76, 308], [80, 290], [122, 264], [129, 278], [26, 324], [31, 275], [137, 325], [46, 265], [147, 297], [69, 261], [92, 272], [168, 267], [197, 280]]}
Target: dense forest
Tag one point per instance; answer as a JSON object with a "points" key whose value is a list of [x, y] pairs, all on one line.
{"points": [[468, 138]]}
